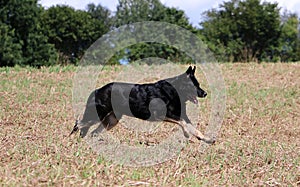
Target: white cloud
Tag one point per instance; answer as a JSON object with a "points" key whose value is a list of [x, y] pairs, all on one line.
{"points": [[291, 5], [192, 8]]}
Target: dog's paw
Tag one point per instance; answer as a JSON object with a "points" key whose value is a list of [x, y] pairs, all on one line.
{"points": [[186, 134], [94, 134], [208, 140], [83, 133]]}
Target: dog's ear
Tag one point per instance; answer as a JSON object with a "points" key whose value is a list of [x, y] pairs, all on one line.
{"points": [[189, 71], [193, 71]]}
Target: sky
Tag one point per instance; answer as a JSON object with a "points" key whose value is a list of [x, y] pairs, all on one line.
{"points": [[192, 8]]}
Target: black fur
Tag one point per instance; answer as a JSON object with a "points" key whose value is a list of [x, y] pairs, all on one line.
{"points": [[173, 92]]}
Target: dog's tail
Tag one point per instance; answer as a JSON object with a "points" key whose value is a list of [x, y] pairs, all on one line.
{"points": [[75, 128]]}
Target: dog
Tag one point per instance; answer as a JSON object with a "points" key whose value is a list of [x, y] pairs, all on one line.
{"points": [[164, 100]]}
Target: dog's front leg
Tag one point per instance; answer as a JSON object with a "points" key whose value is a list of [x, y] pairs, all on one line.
{"points": [[191, 129], [83, 127], [107, 123], [187, 125], [188, 128]]}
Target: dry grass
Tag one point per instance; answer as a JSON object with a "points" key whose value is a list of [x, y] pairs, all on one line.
{"points": [[259, 143]]}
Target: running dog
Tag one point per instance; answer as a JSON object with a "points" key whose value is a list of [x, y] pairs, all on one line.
{"points": [[164, 100]]}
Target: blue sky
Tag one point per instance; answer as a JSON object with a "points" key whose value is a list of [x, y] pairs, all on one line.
{"points": [[192, 8]]}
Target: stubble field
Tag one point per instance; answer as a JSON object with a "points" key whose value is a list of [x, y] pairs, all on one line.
{"points": [[258, 144]]}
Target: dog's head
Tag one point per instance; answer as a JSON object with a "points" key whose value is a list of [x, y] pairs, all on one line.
{"points": [[191, 86]]}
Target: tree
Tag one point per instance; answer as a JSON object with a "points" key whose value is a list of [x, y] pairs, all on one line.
{"points": [[298, 43], [23, 23], [73, 31], [242, 30], [10, 49], [131, 11], [289, 39], [101, 14]]}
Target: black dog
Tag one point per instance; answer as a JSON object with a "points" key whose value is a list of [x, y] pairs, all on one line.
{"points": [[164, 100]]}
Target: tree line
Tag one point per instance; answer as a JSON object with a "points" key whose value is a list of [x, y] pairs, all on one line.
{"points": [[236, 31]]}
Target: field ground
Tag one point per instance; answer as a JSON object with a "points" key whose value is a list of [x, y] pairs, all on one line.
{"points": [[258, 145]]}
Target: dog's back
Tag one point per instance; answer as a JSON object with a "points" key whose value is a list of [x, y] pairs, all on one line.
{"points": [[133, 100]]}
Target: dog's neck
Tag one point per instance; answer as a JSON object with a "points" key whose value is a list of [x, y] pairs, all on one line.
{"points": [[176, 79]]}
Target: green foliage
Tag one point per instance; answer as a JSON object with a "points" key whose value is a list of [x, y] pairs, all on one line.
{"points": [[242, 30], [10, 49], [23, 22], [131, 11], [237, 31], [289, 40], [39, 52], [151, 49], [102, 16], [73, 31]]}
